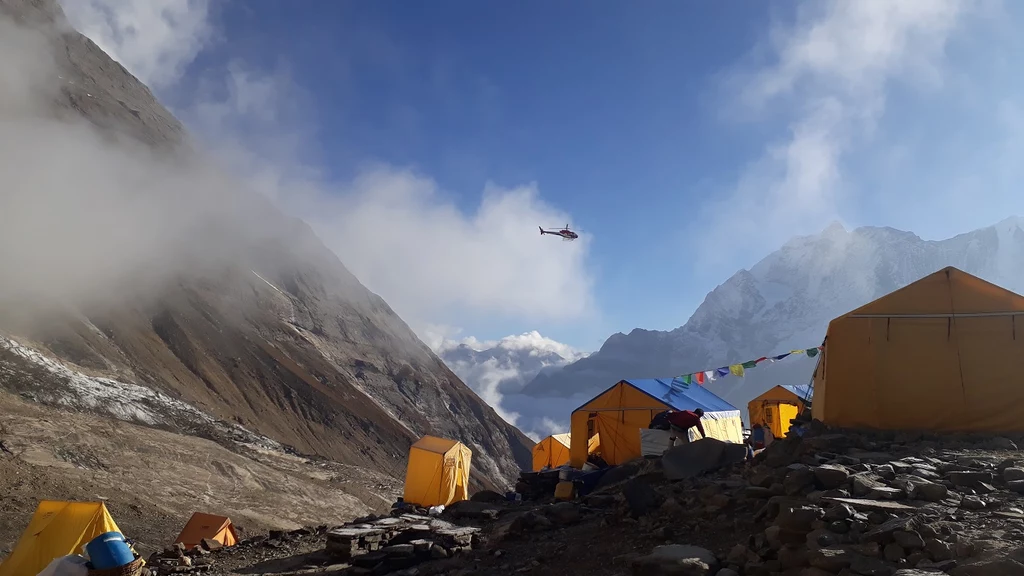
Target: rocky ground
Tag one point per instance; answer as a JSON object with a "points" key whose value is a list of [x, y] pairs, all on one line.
{"points": [[153, 480], [830, 503]]}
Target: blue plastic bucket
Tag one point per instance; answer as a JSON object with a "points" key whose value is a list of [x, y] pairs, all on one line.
{"points": [[109, 550]]}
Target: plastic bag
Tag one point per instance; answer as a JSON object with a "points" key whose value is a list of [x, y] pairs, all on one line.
{"points": [[66, 566]]}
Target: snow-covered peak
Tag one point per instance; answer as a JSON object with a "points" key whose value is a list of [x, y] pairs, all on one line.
{"points": [[786, 300]]}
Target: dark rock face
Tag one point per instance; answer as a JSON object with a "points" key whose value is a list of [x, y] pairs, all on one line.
{"points": [[271, 332]]}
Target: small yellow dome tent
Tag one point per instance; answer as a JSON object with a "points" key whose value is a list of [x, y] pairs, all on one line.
{"points": [[776, 407], [553, 451], [438, 472], [57, 529]]}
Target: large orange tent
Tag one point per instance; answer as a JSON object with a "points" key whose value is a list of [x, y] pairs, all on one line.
{"points": [[775, 408], [945, 353], [200, 526], [618, 414]]}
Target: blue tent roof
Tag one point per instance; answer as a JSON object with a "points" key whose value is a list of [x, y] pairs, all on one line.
{"points": [[804, 391], [680, 395]]}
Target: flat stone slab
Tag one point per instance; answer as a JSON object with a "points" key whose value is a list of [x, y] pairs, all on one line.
{"points": [[867, 504], [352, 533]]}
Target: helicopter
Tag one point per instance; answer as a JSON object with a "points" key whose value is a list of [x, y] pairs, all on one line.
{"points": [[565, 233]]}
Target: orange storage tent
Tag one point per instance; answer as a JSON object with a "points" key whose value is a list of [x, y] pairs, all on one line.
{"points": [[200, 526], [775, 408], [942, 354]]}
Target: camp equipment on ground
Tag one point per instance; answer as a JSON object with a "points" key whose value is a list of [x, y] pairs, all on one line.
{"points": [[109, 550]]}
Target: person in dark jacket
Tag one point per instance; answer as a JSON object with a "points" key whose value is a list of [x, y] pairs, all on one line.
{"points": [[679, 423], [683, 420]]}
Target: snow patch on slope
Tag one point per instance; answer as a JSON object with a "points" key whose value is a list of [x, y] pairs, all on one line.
{"points": [[120, 400]]}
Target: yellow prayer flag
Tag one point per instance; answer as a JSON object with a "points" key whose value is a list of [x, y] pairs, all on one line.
{"points": [[736, 370], [796, 351]]}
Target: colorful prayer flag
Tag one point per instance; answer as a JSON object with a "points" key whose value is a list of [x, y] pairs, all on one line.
{"points": [[812, 352], [749, 365], [700, 378], [736, 370], [709, 375]]}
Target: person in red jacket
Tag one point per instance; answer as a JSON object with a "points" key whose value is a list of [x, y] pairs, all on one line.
{"points": [[683, 420]]}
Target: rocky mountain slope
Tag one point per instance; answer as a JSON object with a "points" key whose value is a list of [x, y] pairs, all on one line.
{"points": [[244, 326], [785, 302]]}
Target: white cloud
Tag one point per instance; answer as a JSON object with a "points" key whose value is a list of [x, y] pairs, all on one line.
{"points": [[531, 342], [828, 74], [399, 233], [498, 370], [155, 40], [402, 235]]}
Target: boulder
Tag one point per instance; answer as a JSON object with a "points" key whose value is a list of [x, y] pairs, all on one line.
{"points": [[930, 491], [798, 480], [641, 497], [489, 496], [969, 477], [1011, 474], [831, 476], [870, 566], [831, 560], [676, 559], [894, 552], [908, 539], [695, 458], [473, 510], [972, 503], [798, 518], [938, 549], [563, 513]]}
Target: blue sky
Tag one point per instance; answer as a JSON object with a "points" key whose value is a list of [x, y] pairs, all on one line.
{"points": [[687, 139]]}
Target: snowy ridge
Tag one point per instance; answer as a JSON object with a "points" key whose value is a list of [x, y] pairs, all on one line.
{"points": [[120, 400]]}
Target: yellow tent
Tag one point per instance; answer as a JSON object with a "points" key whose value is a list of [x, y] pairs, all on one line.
{"points": [[438, 472], [56, 529], [200, 526], [776, 407], [618, 414], [553, 451], [942, 354]]}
